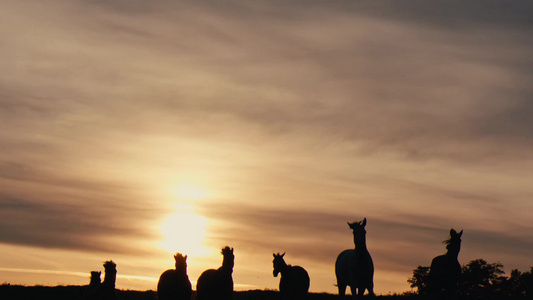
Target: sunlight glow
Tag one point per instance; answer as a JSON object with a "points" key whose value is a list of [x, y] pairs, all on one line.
{"points": [[185, 233], [189, 192]]}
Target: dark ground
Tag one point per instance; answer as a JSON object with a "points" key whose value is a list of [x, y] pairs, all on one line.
{"points": [[8, 292]]}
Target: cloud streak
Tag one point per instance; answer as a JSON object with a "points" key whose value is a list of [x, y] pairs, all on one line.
{"points": [[296, 119]]}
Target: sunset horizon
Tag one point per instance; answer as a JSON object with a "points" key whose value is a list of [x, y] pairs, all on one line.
{"points": [[134, 130]]}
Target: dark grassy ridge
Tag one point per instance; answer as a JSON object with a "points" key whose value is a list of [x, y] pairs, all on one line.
{"points": [[18, 292]]}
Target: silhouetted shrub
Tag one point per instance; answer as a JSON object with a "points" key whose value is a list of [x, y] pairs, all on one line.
{"points": [[420, 279], [481, 280]]}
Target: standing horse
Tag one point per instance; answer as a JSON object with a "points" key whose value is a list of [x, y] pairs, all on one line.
{"points": [[106, 290], [294, 282], [90, 291], [354, 267], [174, 284], [445, 269], [217, 284]]}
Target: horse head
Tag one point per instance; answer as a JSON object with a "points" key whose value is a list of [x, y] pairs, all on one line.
{"points": [[453, 244], [359, 232], [181, 261], [229, 259], [279, 263]]}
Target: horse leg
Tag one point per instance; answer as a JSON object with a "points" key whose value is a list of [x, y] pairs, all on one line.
{"points": [[354, 291], [370, 289], [342, 289], [360, 293]]}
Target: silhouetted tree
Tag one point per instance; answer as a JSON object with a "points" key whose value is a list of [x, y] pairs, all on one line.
{"points": [[518, 285], [420, 279], [482, 280]]}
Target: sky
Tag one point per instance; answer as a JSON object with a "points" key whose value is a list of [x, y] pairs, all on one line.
{"points": [[131, 130]]}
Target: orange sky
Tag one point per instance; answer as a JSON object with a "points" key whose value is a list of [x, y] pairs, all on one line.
{"points": [[133, 130]]}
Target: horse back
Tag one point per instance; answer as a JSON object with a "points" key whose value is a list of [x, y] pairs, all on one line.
{"points": [[214, 284], [295, 279], [294, 283], [172, 285], [343, 266], [444, 267]]}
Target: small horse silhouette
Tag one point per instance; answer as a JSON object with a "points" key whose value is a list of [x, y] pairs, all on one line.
{"points": [[174, 284], [294, 282], [217, 284], [91, 291], [95, 278], [354, 267], [106, 289], [445, 270]]}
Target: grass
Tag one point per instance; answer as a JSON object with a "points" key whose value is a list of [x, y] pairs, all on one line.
{"points": [[72, 292]]}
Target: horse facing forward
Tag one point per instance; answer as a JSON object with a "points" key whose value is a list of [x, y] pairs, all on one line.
{"points": [[294, 282], [354, 267], [445, 269]]}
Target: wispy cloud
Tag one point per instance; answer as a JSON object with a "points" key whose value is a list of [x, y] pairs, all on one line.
{"points": [[297, 118]]}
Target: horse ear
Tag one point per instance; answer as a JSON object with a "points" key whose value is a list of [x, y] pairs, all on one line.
{"points": [[453, 232], [461, 233], [350, 225], [283, 254], [185, 257], [364, 222]]}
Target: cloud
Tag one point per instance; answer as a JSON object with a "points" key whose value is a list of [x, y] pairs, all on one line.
{"points": [[375, 80], [416, 116], [43, 211], [320, 235]]}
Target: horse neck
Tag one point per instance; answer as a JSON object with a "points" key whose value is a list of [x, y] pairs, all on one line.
{"points": [[181, 270], [110, 278], [453, 251], [360, 244], [227, 265]]}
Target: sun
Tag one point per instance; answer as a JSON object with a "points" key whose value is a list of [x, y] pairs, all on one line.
{"points": [[184, 232]]}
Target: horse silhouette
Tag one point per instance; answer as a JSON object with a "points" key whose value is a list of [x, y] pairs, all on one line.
{"points": [[354, 267], [294, 281], [95, 278], [174, 284], [217, 284], [106, 290], [91, 291], [445, 270]]}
